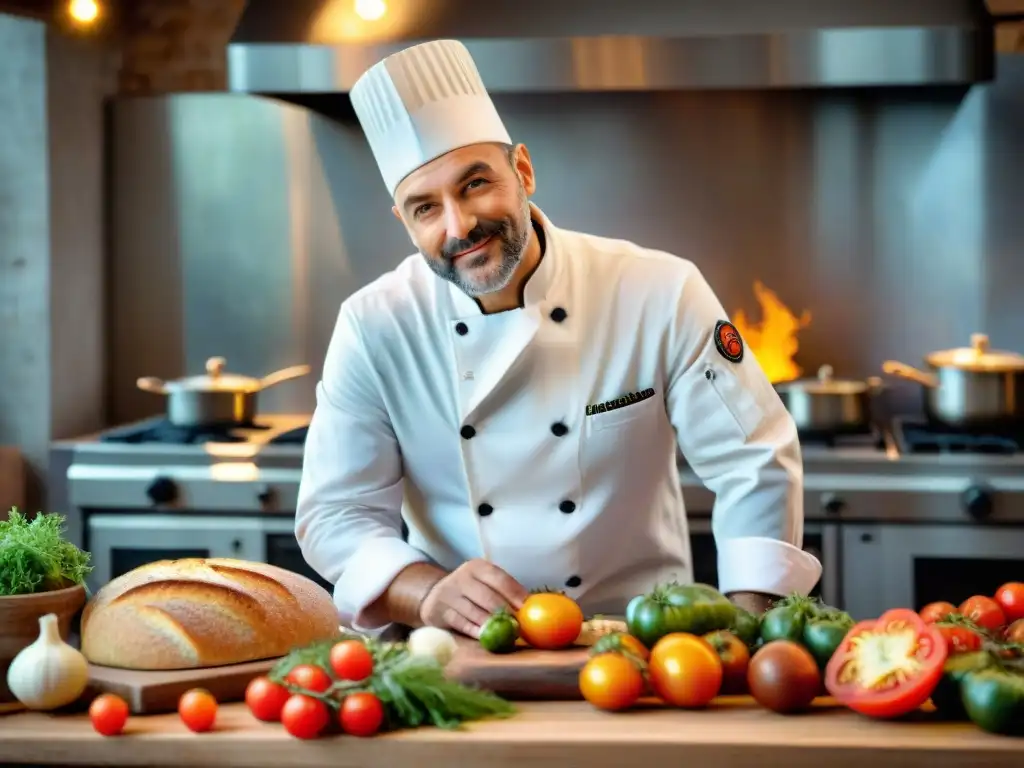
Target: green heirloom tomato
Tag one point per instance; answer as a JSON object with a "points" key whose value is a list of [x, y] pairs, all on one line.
{"points": [[500, 632], [747, 627], [994, 700], [695, 608], [784, 622], [824, 630], [946, 696], [822, 636]]}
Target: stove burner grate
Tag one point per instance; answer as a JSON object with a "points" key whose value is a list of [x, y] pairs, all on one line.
{"points": [[295, 436], [830, 439], [919, 436], [162, 431]]}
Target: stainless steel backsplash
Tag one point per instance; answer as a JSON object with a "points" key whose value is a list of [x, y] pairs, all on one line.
{"points": [[896, 218]]}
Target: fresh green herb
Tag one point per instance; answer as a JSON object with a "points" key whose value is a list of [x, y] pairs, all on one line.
{"points": [[413, 689], [35, 556]]}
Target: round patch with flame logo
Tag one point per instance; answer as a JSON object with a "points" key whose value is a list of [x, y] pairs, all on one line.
{"points": [[728, 341]]}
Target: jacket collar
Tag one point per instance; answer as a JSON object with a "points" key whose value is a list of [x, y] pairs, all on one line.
{"points": [[538, 286]]}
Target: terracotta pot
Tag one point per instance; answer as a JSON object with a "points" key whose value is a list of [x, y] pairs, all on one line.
{"points": [[19, 626]]}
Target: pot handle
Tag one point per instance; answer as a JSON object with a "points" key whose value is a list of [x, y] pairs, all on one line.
{"points": [[152, 384], [284, 374], [910, 373]]}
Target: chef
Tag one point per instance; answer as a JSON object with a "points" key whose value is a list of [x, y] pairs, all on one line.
{"points": [[516, 393]]}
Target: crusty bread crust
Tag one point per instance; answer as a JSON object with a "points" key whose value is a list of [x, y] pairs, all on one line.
{"points": [[184, 614]]}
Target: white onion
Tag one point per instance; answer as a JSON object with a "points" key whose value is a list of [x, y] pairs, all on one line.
{"points": [[432, 642]]}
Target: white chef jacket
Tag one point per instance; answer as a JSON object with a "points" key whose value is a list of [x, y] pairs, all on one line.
{"points": [[475, 428]]}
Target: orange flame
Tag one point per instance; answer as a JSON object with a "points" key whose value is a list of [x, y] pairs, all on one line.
{"points": [[773, 341]]}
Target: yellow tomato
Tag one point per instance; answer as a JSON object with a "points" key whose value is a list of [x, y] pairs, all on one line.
{"points": [[550, 621], [611, 681], [685, 670]]}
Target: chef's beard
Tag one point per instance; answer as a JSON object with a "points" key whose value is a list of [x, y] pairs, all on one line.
{"points": [[476, 275]]}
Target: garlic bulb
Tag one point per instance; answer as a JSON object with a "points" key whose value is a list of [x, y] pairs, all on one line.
{"points": [[432, 642], [49, 673]]}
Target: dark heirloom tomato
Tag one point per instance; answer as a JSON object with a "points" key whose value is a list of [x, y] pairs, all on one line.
{"points": [[783, 677], [887, 667]]}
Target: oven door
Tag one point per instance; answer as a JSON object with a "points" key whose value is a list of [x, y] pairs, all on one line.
{"points": [[122, 542], [908, 566], [820, 539]]}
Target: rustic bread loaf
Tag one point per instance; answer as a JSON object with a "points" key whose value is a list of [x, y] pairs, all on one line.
{"points": [[183, 614]]}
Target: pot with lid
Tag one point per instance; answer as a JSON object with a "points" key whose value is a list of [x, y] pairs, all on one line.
{"points": [[969, 387], [830, 406], [218, 398]]}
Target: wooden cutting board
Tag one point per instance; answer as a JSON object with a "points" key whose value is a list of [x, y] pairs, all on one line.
{"points": [[526, 674], [149, 693]]}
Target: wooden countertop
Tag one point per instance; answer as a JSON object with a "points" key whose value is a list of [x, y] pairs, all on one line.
{"points": [[734, 732]]}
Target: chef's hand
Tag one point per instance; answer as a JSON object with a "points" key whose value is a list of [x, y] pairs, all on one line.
{"points": [[465, 598]]}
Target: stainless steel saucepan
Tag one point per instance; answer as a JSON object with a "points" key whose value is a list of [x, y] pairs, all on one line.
{"points": [[969, 387], [830, 406], [218, 398]]}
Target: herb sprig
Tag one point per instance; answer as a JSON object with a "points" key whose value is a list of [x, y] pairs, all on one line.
{"points": [[35, 556], [413, 689]]}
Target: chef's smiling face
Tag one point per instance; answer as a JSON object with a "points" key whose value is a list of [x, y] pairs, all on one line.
{"points": [[468, 214]]}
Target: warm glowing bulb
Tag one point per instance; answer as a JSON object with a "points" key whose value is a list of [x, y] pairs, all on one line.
{"points": [[371, 10], [84, 10]]}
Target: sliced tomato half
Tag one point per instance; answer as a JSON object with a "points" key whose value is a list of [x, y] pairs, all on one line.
{"points": [[887, 667]]}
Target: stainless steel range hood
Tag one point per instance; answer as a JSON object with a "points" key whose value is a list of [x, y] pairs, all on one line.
{"points": [[523, 46]]}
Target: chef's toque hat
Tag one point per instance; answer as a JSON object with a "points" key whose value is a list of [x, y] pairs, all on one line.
{"points": [[422, 102]]}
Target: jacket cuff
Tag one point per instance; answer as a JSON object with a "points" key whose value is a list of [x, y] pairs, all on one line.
{"points": [[769, 566], [368, 574]]}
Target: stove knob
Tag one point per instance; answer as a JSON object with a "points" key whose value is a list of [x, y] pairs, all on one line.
{"points": [[977, 502], [832, 504], [265, 495], [162, 491]]}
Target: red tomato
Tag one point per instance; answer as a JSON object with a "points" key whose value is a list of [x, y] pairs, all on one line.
{"points": [[887, 667], [265, 699], [361, 714], [351, 660], [310, 677], [934, 612], [983, 611], [108, 714], [304, 717], [1015, 632], [959, 639], [735, 659], [197, 709], [1011, 599]]}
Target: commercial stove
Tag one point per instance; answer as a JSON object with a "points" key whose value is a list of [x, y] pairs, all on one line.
{"points": [[901, 517]]}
